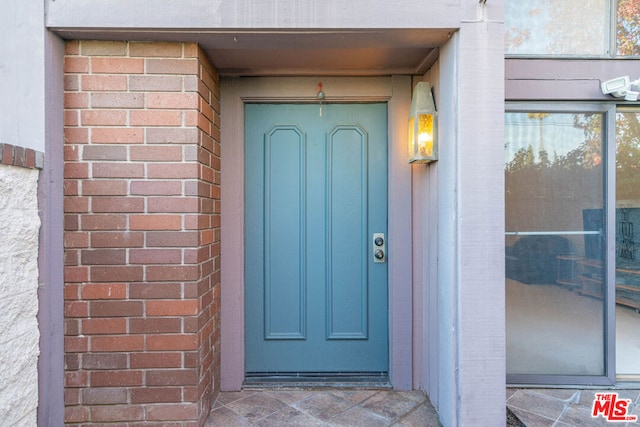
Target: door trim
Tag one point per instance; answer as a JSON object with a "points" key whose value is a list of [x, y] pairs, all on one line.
{"points": [[235, 92]]}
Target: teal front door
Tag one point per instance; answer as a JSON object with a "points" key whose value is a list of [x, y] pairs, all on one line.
{"points": [[315, 238]]}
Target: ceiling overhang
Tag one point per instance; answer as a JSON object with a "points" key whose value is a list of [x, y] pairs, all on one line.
{"points": [[272, 52]]}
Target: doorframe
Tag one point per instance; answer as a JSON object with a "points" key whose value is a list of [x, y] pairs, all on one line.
{"points": [[234, 93]]}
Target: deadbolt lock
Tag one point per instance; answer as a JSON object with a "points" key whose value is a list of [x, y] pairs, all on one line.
{"points": [[379, 248]]}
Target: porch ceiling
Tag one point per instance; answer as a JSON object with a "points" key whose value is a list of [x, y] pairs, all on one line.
{"points": [[300, 52]]}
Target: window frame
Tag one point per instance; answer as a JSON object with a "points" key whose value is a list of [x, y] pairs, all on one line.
{"points": [[612, 43], [620, 108], [609, 328]]}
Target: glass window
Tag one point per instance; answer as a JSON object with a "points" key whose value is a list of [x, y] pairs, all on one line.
{"points": [[559, 27], [628, 28], [555, 225], [627, 242]]}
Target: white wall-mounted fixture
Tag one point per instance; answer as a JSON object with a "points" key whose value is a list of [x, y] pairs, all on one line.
{"points": [[622, 87], [423, 126]]}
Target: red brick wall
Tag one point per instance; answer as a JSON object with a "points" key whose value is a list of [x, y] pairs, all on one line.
{"points": [[142, 233], [14, 155]]}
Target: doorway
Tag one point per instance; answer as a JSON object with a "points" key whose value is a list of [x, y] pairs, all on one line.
{"points": [[315, 239], [395, 92]]}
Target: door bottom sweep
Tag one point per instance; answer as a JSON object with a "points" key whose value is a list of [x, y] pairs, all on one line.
{"points": [[370, 380]]}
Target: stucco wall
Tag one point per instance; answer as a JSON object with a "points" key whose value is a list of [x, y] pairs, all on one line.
{"points": [[18, 296]]}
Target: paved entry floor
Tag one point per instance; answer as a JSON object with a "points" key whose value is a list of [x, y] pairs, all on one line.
{"points": [[565, 407], [322, 408]]}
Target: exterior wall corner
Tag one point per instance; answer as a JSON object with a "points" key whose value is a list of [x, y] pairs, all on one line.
{"points": [[471, 308], [142, 233]]}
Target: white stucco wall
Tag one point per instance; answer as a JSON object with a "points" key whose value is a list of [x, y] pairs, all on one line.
{"points": [[18, 296]]}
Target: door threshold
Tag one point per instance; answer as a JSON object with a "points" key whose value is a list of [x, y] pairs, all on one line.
{"points": [[361, 380]]}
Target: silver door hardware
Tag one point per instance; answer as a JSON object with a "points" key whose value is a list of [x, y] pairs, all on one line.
{"points": [[379, 248]]}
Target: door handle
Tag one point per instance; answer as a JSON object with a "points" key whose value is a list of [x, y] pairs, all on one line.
{"points": [[379, 248]]}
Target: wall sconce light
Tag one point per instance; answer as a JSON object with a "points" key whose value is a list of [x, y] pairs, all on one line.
{"points": [[423, 126]]}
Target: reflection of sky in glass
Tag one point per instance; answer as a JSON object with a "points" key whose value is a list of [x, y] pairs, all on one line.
{"points": [[557, 27], [556, 133]]}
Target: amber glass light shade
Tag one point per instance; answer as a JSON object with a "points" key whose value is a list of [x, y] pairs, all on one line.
{"points": [[423, 131]]}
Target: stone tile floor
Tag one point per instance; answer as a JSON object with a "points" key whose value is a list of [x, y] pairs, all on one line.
{"points": [[373, 408], [322, 408], [564, 407]]}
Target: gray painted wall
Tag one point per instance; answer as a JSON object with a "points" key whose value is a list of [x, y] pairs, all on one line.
{"points": [[468, 192], [446, 328], [22, 73], [244, 14], [31, 108], [570, 80], [480, 228], [425, 262]]}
